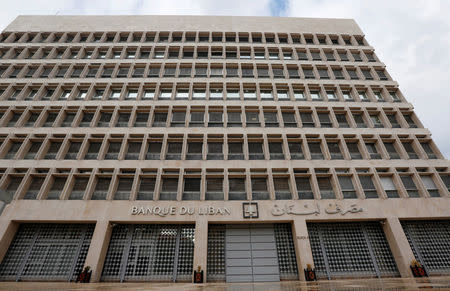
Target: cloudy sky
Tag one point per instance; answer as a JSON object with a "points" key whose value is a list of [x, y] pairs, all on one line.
{"points": [[411, 37]]}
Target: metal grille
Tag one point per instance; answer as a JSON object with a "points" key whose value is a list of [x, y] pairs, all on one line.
{"points": [[351, 250], [430, 243], [216, 253], [146, 252], [47, 252], [287, 260]]}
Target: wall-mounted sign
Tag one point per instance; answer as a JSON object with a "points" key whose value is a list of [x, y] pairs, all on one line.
{"points": [[183, 210], [250, 210], [314, 208]]}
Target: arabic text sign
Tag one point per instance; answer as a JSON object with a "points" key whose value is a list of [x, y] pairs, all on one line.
{"points": [[309, 209]]}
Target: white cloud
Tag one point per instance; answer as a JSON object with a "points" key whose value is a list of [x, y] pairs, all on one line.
{"points": [[411, 37]]}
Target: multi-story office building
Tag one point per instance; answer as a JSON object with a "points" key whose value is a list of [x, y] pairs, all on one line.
{"points": [[251, 147]]}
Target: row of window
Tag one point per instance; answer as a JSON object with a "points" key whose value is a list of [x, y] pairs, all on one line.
{"points": [[212, 116], [197, 71], [200, 91], [243, 53], [238, 185], [216, 147], [179, 36]]}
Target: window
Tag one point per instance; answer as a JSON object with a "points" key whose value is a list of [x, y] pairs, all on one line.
{"points": [[105, 118], [149, 95], [335, 150], [216, 72], [353, 149], [325, 187], [215, 94], [315, 95], [389, 187], [342, 120], [315, 150], [410, 186], [237, 189], [115, 94], [323, 73], [113, 150], [289, 119], [366, 73], [159, 119], [67, 122], [259, 189], [343, 56], [53, 150], [123, 119], [79, 187], [270, 119], [235, 151], [363, 96], [372, 149], [381, 75], [282, 189], [266, 95], [394, 97], [252, 119], [123, 188], [134, 148], [123, 72], [174, 150], [324, 119], [182, 94], [32, 119], [430, 186], [13, 149], [199, 94], [368, 187], [197, 119], [215, 119], [178, 119], [309, 74], [357, 56], [191, 189], [153, 72], [214, 189], [331, 96], [276, 151], [255, 151], [298, 95], [154, 151], [348, 191], [409, 120], [93, 149], [215, 151], [51, 117], [295, 150], [359, 120], [338, 74], [378, 96], [74, 149], [234, 119], [428, 150], [32, 151], [146, 188], [376, 121], [307, 119], [277, 72], [194, 151], [304, 188], [34, 188], [247, 72], [352, 74], [446, 180], [390, 148], [393, 120], [408, 145], [101, 188], [169, 189]]}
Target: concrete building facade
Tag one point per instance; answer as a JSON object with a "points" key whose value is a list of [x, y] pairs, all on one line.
{"points": [[252, 148]]}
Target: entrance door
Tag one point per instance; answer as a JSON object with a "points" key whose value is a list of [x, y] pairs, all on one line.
{"points": [[251, 254]]}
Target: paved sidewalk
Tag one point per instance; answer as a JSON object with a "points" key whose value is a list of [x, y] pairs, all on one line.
{"points": [[437, 283]]}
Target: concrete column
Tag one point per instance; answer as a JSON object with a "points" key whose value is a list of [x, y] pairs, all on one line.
{"points": [[97, 249], [8, 229], [302, 246], [401, 250], [201, 245]]}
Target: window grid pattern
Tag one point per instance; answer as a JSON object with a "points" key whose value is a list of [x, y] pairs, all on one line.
{"points": [[216, 252]]}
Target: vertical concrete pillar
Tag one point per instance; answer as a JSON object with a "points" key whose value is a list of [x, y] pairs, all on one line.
{"points": [[302, 246], [8, 229], [401, 250], [97, 250], [201, 245]]}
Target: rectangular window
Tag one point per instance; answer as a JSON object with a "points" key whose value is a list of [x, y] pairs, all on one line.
{"points": [[390, 148], [304, 188], [353, 149], [252, 119], [393, 120], [191, 189], [123, 189], [289, 119], [32, 151], [79, 187], [235, 151], [270, 119], [169, 189], [197, 119], [373, 152], [325, 187], [359, 120], [101, 188], [159, 119], [282, 189], [73, 150], [215, 119], [146, 188], [410, 150], [34, 188], [154, 151], [113, 151], [237, 189], [342, 120], [53, 150], [92, 153], [215, 151], [348, 191], [368, 187], [123, 119], [174, 150], [134, 148], [214, 189], [255, 151], [307, 119], [295, 150], [259, 189], [315, 150], [178, 119], [141, 119], [428, 150], [410, 186], [335, 151], [324, 119], [276, 151], [13, 149], [234, 119], [105, 118], [430, 186], [389, 187]]}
